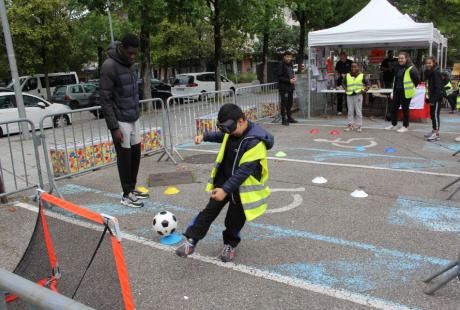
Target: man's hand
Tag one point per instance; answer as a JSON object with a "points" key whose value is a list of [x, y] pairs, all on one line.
{"points": [[293, 80], [198, 139], [218, 194], [117, 136]]}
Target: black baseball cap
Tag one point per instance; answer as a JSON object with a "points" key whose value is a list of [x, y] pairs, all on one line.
{"points": [[228, 116]]}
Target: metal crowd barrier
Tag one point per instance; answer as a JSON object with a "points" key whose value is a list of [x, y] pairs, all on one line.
{"points": [[20, 168], [80, 141], [190, 115], [262, 98], [34, 295]]}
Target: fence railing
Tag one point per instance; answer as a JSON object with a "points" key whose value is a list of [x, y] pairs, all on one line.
{"points": [[261, 99], [190, 115], [20, 167], [34, 295], [80, 141]]}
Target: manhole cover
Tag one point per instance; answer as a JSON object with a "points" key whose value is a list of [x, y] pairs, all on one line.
{"points": [[200, 159], [170, 178]]}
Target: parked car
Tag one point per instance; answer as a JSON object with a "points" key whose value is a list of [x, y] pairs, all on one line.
{"points": [[159, 90], [197, 83], [36, 84], [76, 96], [36, 109]]}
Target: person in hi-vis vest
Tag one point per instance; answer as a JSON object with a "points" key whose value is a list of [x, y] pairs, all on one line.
{"points": [[405, 81], [239, 178], [355, 85]]}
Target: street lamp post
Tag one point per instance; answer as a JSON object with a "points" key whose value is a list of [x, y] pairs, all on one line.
{"points": [[110, 22], [14, 69]]}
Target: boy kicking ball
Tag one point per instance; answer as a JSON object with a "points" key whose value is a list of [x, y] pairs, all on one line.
{"points": [[238, 178]]}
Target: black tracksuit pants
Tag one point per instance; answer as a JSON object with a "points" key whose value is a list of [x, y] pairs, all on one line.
{"points": [[452, 99], [435, 111], [128, 161], [399, 100], [234, 221], [287, 99]]}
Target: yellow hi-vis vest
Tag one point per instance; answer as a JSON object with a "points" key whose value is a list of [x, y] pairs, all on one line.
{"points": [[427, 90], [253, 193], [448, 88], [458, 101], [409, 87], [354, 84]]}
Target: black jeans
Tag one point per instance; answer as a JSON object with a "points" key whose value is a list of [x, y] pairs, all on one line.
{"points": [[340, 102], [452, 99], [399, 100], [435, 111], [234, 221], [128, 161], [287, 98]]}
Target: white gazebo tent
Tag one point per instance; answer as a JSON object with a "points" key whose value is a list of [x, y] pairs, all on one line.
{"points": [[379, 24]]}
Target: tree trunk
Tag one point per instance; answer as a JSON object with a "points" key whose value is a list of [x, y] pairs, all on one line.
{"points": [[217, 43], [47, 81], [301, 52], [265, 58], [144, 43], [165, 71]]}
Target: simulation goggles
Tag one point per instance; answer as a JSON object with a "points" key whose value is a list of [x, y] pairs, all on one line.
{"points": [[228, 126]]}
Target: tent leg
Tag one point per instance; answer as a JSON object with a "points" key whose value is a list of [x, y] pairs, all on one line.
{"points": [[309, 82], [430, 52]]}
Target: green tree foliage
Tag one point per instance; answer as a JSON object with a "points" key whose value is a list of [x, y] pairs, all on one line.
{"points": [[43, 33]]}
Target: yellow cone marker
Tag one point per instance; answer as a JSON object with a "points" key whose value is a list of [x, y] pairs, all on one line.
{"points": [[171, 190], [142, 189]]}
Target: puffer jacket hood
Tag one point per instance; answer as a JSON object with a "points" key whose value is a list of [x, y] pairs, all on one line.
{"points": [[261, 134], [114, 53]]}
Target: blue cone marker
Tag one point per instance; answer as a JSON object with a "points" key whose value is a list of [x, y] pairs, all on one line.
{"points": [[360, 148], [171, 239], [390, 150]]}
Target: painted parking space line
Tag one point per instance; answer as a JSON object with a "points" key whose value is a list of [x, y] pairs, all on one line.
{"points": [[361, 299], [303, 161]]}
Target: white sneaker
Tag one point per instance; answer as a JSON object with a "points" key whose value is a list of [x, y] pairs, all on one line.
{"points": [[349, 128], [457, 139], [391, 127], [403, 129], [339, 113], [359, 129]]}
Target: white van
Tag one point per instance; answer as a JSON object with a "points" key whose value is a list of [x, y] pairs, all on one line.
{"points": [[35, 84]]}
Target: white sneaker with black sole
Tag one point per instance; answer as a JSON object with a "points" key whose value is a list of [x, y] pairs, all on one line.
{"points": [[131, 201], [140, 195]]}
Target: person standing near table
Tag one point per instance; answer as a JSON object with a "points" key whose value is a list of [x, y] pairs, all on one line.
{"points": [[342, 67], [388, 68], [405, 81], [434, 93], [449, 92], [286, 86], [355, 85]]}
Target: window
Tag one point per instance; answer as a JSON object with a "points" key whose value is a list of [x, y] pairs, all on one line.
{"points": [[206, 77], [30, 101], [89, 88], [76, 89], [183, 80], [31, 84], [6, 102], [60, 91], [57, 80]]}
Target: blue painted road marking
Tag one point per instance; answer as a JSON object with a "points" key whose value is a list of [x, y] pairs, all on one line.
{"points": [[431, 215]]}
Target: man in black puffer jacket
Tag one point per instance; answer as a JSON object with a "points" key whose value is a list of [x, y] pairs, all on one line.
{"points": [[286, 86], [120, 106]]}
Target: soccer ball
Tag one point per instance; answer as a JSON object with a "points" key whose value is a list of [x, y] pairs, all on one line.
{"points": [[164, 223]]}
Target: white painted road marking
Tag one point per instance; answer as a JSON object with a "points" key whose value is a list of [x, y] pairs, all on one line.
{"points": [[303, 161], [360, 299], [297, 199], [346, 143]]}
